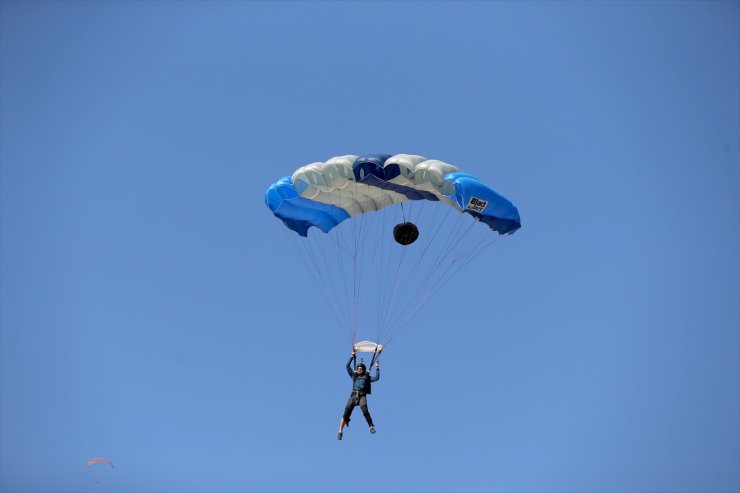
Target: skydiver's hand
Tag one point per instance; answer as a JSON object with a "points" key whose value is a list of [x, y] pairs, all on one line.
{"points": [[354, 353], [377, 366]]}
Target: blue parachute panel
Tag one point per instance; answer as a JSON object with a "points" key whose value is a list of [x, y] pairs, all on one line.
{"points": [[372, 165], [410, 193], [484, 203], [299, 213]]}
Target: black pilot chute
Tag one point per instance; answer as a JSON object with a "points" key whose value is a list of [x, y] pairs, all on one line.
{"points": [[405, 233]]}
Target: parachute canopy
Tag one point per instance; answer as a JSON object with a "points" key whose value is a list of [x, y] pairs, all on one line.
{"points": [[326, 194], [99, 459]]}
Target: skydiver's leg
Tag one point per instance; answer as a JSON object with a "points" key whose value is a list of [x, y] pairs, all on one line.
{"points": [[365, 412], [347, 413]]}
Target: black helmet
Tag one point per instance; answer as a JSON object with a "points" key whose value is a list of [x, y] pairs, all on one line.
{"points": [[362, 365]]}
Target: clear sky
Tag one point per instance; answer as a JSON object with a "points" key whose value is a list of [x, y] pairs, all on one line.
{"points": [[154, 314]]}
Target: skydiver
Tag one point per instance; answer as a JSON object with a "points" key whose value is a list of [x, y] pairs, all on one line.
{"points": [[360, 389]]}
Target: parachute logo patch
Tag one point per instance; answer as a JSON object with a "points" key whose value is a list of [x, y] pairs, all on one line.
{"points": [[477, 205]]}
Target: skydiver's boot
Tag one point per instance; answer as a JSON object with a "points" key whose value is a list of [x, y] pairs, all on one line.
{"points": [[372, 429], [339, 436]]}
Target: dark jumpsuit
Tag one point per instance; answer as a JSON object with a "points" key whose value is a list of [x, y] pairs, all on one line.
{"points": [[358, 396]]}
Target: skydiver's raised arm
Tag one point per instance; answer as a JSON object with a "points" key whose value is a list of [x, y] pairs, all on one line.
{"points": [[377, 373], [349, 364]]}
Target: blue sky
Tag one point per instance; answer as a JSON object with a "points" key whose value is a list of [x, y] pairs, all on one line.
{"points": [[153, 313]]}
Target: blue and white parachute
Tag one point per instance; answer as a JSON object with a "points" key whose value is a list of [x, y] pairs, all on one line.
{"points": [[344, 210], [325, 194]]}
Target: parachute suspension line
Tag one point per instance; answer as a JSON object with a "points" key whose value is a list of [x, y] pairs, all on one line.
{"points": [[410, 278], [321, 252], [451, 252], [409, 316], [430, 240], [455, 238], [389, 295], [484, 243], [357, 231], [329, 259], [368, 238], [386, 215], [448, 274], [388, 309], [394, 298], [436, 277], [448, 244], [341, 248], [354, 289], [383, 274], [392, 304], [360, 259], [382, 248], [318, 278], [358, 236]]}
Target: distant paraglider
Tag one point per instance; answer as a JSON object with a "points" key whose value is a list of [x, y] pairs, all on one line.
{"points": [[100, 459]]}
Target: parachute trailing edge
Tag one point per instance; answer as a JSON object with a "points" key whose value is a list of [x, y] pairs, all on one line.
{"points": [[325, 194]]}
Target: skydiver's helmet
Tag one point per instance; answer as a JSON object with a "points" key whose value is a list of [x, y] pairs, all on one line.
{"points": [[364, 368]]}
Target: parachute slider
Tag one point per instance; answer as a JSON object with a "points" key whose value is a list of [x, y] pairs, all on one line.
{"points": [[405, 233], [367, 347]]}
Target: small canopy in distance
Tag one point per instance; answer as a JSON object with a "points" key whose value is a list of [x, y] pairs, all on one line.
{"points": [[99, 459], [367, 347]]}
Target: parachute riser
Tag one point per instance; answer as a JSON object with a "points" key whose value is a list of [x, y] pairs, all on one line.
{"points": [[376, 356]]}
